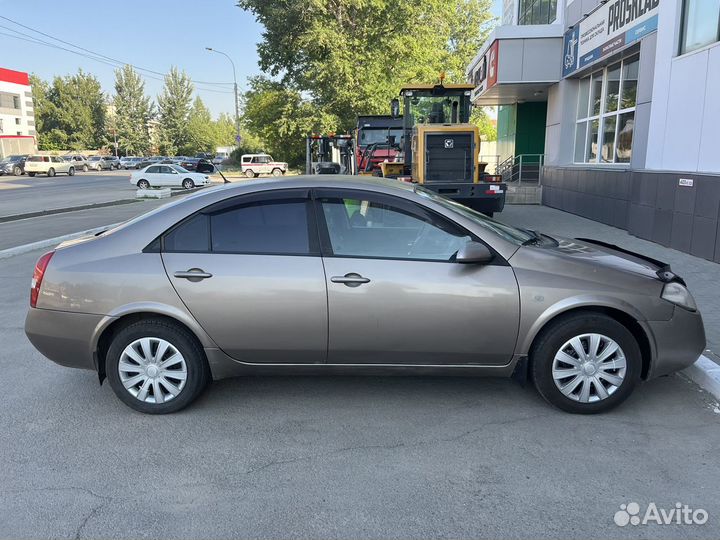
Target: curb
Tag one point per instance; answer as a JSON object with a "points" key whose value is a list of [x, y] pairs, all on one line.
{"points": [[26, 248], [41, 213], [706, 374]]}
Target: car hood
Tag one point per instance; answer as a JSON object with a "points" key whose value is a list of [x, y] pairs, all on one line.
{"points": [[603, 254]]}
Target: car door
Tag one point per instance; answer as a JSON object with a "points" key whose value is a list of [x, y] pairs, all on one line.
{"points": [[152, 175], [168, 176], [395, 295], [250, 271]]}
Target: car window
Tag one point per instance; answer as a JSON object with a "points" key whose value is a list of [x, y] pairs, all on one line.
{"points": [[191, 236], [165, 170], [270, 227], [368, 226], [153, 169]]}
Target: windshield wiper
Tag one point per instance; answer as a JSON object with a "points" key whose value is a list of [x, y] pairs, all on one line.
{"points": [[534, 240]]}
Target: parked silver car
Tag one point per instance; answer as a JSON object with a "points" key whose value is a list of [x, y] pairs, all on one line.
{"points": [[320, 275]]}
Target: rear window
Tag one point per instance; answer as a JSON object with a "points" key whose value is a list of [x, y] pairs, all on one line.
{"points": [[192, 236]]}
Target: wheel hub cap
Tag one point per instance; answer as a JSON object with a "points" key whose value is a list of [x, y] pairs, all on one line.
{"points": [[589, 368], [152, 370]]}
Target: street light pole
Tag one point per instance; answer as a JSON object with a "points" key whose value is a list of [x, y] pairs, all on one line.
{"points": [[235, 86]]}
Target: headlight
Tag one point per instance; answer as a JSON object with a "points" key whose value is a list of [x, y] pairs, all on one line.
{"points": [[677, 294]]}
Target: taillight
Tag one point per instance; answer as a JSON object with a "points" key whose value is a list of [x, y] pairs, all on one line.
{"points": [[38, 275]]}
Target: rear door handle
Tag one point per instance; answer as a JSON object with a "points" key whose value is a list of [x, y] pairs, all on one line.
{"points": [[194, 274], [351, 280]]}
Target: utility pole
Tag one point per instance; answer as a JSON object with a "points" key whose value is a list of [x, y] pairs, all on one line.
{"points": [[237, 99]]}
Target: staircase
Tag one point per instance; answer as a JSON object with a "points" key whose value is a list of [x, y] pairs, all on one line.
{"points": [[523, 176]]}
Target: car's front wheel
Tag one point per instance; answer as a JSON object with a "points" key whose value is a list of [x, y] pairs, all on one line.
{"points": [[143, 184], [31, 174], [85, 168], [277, 172], [586, 363], [188, 183], [17, 171], [71, 171], [156, 367], [51, 172]]}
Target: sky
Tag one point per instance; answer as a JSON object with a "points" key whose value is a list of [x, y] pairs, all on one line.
{"points": [[150, 34]]}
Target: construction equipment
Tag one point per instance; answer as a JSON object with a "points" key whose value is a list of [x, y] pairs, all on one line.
{"points": [[329, 154], [372, 137], [441, 148]]}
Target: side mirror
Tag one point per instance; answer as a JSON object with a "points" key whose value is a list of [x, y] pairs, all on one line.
{"points": [[395, 108], [474, 253]]}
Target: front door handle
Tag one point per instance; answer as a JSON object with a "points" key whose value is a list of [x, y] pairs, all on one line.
{"points": [[351, 280], [194, 274]]}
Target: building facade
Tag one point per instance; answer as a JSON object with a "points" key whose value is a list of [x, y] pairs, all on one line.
{"points": [[629, 93], [17, 117]]}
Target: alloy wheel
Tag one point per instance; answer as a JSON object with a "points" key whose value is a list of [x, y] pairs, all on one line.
{"points": [[589, 368], [152, 370]]}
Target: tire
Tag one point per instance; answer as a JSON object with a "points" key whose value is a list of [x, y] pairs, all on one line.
{"points": [[277, 172], [150, 334], [17, 171], [51, 172], [188, 183], [71, 171], [249, 173], [85, 168], [554, 340], [143, 184], [31, 174]]}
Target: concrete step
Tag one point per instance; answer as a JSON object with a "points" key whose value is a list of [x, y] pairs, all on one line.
{"points": [[523, 194]]}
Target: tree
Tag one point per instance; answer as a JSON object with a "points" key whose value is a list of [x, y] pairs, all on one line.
{"points": [[281, 118], [70, 112], [224, 130], [133, 110], [479, 117], [201, 132], [174, 104], [351, 57]]}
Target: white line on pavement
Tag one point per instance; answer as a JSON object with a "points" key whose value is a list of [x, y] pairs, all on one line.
{"points": [[26, 248]]}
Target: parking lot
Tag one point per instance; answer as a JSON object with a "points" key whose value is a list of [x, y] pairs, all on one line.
{"points": [[344, 457]]}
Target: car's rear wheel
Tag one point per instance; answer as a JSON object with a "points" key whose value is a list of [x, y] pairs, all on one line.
{"points": [[188, 183], [17, 171], [143, 184], [51, 172], [586, 363], [31, 174], [85, 168], [71, 171], [156, 367], [249, 173], [277, 172]]}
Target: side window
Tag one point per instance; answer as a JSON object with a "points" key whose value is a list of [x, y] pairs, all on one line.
{"points": [[246, 160], [191, 236], [154, 169], [270, 227], [166, 170], [376, 228]]}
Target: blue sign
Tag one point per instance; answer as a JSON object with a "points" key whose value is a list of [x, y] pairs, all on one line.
{"points": [[570, 51]]}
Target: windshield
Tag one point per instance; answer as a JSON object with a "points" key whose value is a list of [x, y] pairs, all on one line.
{"points": [[179, 169], [425, 108], [372, 136], [511, 234]]}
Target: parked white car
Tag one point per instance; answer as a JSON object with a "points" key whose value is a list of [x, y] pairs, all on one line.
{"points": [[253, 165], [167, 175], [50, 165]]}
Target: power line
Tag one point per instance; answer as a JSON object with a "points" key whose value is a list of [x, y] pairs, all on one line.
{"points": [[95, 55]]}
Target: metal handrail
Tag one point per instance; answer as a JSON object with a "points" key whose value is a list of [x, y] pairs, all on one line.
{"points": [[522, 168]]}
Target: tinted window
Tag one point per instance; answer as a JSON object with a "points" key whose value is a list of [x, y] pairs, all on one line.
{"points": [[277, 227], [191, 236], [374, 228], [153, 169]]}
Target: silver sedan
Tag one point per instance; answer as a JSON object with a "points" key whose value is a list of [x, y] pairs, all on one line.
{"points": [[340, 274]]}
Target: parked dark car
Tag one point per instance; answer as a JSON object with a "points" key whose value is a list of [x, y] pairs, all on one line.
{"points": [[13, 165], [204, 166], [190, 164]]}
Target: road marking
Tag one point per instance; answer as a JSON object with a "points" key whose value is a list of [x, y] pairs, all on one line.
{"points": [[26, 248], [13, 186]]}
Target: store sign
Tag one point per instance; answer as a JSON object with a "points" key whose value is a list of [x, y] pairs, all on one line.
{"points": [[484, 75], [611, 27]]}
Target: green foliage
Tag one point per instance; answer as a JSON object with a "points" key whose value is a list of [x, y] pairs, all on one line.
{"points": [[479, 116], [200, 130], [133, 110], [350, 57], [281, 118], [174, 105], [69, 113]]}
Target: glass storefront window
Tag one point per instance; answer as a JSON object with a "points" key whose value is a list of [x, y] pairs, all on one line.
{"points": [[612, 88], [700, 24], [606, 113]]}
